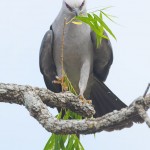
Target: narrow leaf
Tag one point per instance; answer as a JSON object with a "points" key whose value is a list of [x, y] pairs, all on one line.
{"points": [[107, 16], [104, 25]]}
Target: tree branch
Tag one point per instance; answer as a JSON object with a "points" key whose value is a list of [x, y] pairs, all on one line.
{"points": [[36, 99], [12, 93]]}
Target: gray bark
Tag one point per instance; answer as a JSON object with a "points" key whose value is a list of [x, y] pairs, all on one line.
{"points": [[37, 100]]}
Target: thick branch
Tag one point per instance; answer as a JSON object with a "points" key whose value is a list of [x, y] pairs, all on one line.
{"points": [[33, 99], [12, 93]]}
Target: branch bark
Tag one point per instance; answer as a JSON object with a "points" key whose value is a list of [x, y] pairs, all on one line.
{"points": [[36, 101], [12, 93]]}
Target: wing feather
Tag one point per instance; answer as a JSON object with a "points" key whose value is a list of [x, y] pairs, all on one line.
{"points": [[103, 58], [46, 62]]}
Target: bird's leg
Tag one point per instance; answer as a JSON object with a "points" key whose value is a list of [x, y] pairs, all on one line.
{"points": [[84, 76]]}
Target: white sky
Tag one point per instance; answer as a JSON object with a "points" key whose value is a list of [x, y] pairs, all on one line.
{"points": [[22, 26]]}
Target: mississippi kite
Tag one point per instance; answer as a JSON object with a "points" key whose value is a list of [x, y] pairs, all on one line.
{"points": [[86, 65]]}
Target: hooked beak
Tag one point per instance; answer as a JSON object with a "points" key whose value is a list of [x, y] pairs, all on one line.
{"points": [[76, 11]]}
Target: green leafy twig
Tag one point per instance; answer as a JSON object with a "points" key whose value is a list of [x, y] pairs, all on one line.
{"points": [[97, 24]]}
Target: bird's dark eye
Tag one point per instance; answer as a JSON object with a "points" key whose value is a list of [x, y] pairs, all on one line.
{"points": [[82, 4], [69, 7]]}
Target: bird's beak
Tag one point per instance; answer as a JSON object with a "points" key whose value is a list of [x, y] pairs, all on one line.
{"points": [[76, 11]]}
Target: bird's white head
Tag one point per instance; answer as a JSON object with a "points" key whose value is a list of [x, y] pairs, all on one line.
{"points": [[75, 6]]}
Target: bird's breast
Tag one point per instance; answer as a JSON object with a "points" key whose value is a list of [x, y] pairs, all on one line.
{"points": [[75, 46]]}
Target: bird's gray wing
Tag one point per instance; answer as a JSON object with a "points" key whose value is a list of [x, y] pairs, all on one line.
{"points": [[103, 57], [46, 62]]}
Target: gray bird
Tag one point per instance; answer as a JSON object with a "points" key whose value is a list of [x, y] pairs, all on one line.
{"points": [[86, 65]]}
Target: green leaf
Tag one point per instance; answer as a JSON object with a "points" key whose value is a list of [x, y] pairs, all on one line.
{"points": [[62, 140], [104, 25], [78, 144], [57, 142], [59, 115], [67, 115], [101, 30], [107, 16], [70, 143], [88, 21], [50, 143], [90, 16], [107, 7]]}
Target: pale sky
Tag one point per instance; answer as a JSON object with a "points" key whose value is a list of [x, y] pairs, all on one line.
{"points": [[22, 27]]}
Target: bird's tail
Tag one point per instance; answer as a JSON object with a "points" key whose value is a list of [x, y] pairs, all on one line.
{"points": [[103, 99]]}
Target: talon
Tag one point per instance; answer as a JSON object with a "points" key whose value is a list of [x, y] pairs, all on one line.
{"points": [[56, 82], [83, 100], [60, 80], [89, 101]]}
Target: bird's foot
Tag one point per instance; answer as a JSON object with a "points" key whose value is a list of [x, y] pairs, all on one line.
{"points": [[60, 80], [83, 100]]}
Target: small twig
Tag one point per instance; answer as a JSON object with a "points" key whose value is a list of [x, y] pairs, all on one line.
{"points": [[146, 91], [62, 54]]}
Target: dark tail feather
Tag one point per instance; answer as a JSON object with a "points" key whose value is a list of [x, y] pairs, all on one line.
{"points": [[104, 100]]}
